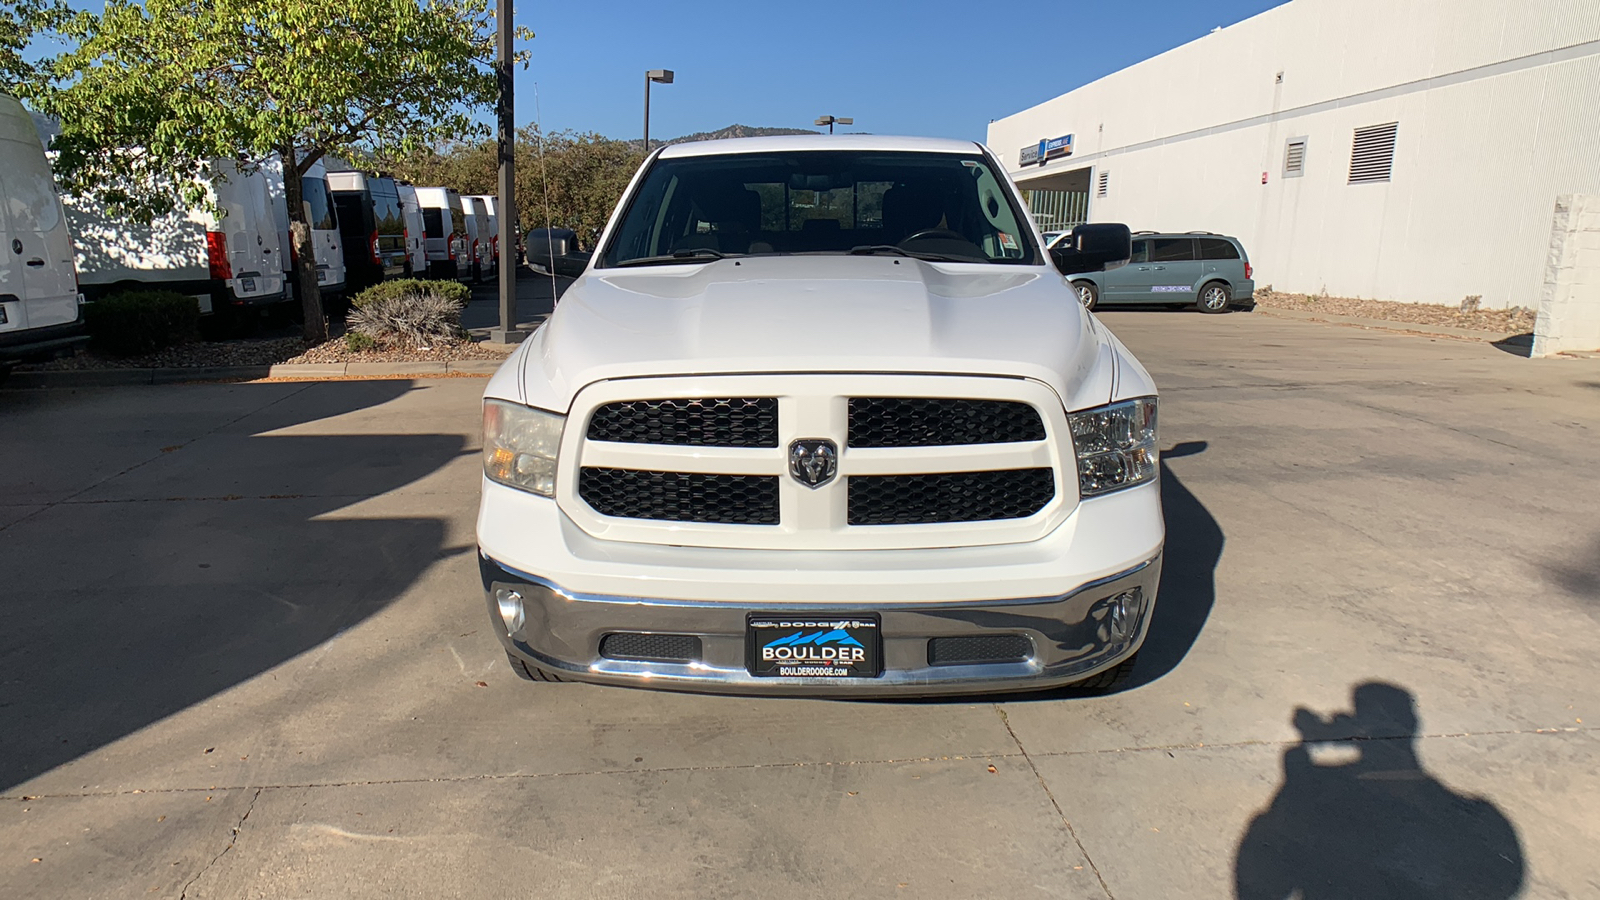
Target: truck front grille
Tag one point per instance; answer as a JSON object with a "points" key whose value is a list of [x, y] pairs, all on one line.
{"points": [[948, 496], [939, 421], [681, 496], [716, 422]]}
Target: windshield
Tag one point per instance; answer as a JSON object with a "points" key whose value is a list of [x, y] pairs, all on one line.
{"points": [[937, 206]]}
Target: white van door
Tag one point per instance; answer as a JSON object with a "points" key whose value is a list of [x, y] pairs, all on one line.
{"points": [[12, 316], [37, 239]]}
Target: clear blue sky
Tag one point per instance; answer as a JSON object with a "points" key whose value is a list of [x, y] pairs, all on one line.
{"points": [[923, 67]]}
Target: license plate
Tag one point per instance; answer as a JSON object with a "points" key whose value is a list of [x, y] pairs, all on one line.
{"points": [[812, 646], [322, 275], [3, 319], [247, 284]]}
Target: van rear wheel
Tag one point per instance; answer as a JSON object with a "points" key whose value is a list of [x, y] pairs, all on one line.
{"points": [[1214, 297]]}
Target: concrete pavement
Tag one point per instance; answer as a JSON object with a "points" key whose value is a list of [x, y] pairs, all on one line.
{"points": [[245, 655]]}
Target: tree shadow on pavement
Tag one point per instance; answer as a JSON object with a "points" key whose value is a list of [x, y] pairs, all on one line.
{"points": [[1377, 826], [203, 567]]}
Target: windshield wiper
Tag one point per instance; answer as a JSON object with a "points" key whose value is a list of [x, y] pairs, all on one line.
{"points": [[875, 249], [677, 256]]}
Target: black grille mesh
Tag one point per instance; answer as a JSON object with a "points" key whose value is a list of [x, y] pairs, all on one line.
{"points": [[932, 422], [721, 422], [681, 496], [948, 497], [955, 651], [666, 647]]}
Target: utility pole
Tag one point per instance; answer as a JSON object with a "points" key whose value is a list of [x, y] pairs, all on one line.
{"points": [[505, 204]]}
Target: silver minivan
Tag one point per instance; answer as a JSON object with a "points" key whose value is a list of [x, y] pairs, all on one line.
{"points": [[39, 302], [446, 226], [1197, 268]]}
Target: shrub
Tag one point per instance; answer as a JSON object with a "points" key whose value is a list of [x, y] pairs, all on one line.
{"points": [[356, 342], [407, 287], [136, 322], [409, 314]]}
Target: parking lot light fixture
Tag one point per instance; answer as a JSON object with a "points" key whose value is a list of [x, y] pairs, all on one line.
{"points": [[653, 76], [831, 121]]}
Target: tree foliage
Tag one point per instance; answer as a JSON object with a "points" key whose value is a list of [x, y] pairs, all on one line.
{"points": [[21, 22], [569, 179], [154, 91]]}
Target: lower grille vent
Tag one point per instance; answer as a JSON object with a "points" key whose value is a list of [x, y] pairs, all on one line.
{"points": [[651, 647], [681, 496], [949, 497], [985, 648]]}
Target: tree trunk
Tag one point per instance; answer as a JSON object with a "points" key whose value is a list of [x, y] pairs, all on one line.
{"points": [[305, 253]]}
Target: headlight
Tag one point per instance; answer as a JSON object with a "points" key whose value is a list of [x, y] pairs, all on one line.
{"points": [[520, 445], [1115, 445]]}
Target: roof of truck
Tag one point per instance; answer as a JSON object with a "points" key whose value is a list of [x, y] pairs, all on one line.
{"points": [[792, 142]]}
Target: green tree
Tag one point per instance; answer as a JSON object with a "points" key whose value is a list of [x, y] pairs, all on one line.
{"points": [[21, 22], [156, 90]]}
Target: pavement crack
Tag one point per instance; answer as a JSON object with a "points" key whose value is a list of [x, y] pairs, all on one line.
{"points": [[233, 838], [1044, 786]]}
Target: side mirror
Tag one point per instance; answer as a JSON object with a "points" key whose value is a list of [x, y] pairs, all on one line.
{"points": [[1097, 247]]}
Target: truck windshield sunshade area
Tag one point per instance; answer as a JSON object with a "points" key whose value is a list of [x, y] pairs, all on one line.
{"points": [[941, 207]]}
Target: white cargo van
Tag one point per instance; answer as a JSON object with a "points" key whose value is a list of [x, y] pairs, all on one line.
{"points": [[39, 302], [324, 223], [477, 213], [489, 203], [416, 231], [230, 261], [446, 226]]}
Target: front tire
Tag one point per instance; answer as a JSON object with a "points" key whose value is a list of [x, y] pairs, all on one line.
{"points": [[1214, 298], [1109, 680], [527, 672], [1088, 294]]}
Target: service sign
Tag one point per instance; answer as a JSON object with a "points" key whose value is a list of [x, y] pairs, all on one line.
{"points": [[1046, 150], [1055, 148]]}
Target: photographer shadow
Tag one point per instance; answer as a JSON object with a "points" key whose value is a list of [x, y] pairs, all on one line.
{"points": [[1374, 823]]}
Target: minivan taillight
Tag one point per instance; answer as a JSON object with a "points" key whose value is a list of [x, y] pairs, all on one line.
{"points": [[376, 259], [1249, 272], [450, 246], [217, 255]]}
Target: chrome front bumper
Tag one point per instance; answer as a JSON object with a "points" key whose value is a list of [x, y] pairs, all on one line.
{"points": [[562, 633]]}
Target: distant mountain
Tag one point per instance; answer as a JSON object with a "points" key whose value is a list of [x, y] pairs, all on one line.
{"points": [[733, 131]]}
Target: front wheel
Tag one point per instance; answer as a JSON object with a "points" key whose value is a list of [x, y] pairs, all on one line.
{"points": [[1088, 294], [1214, 298]]}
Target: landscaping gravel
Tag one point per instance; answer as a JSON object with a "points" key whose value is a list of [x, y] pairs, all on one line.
{"points": [[266, 352], [1516, 320]]}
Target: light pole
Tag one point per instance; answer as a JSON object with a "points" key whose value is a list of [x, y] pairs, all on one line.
{"points": [[830, 121], [658, 76], [505, 203]]}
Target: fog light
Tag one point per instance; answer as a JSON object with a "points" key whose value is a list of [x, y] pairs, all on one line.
{"points": [[510, 603], [1122, 617]]}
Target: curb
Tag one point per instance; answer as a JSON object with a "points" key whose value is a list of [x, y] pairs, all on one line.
{"points": [[300, 371], [1471, 334]]}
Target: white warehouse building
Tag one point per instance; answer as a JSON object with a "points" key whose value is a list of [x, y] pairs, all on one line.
{"points": [[1387, 149]]}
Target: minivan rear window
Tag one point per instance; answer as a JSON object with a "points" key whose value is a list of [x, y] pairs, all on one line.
{"points": [[1171, 249], [1217, 248], [432, 222]]}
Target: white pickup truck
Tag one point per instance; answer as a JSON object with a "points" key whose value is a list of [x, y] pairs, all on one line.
{"points": [[823, 417]]}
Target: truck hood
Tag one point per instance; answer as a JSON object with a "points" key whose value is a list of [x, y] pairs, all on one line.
{"points": [[814, 314]]}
